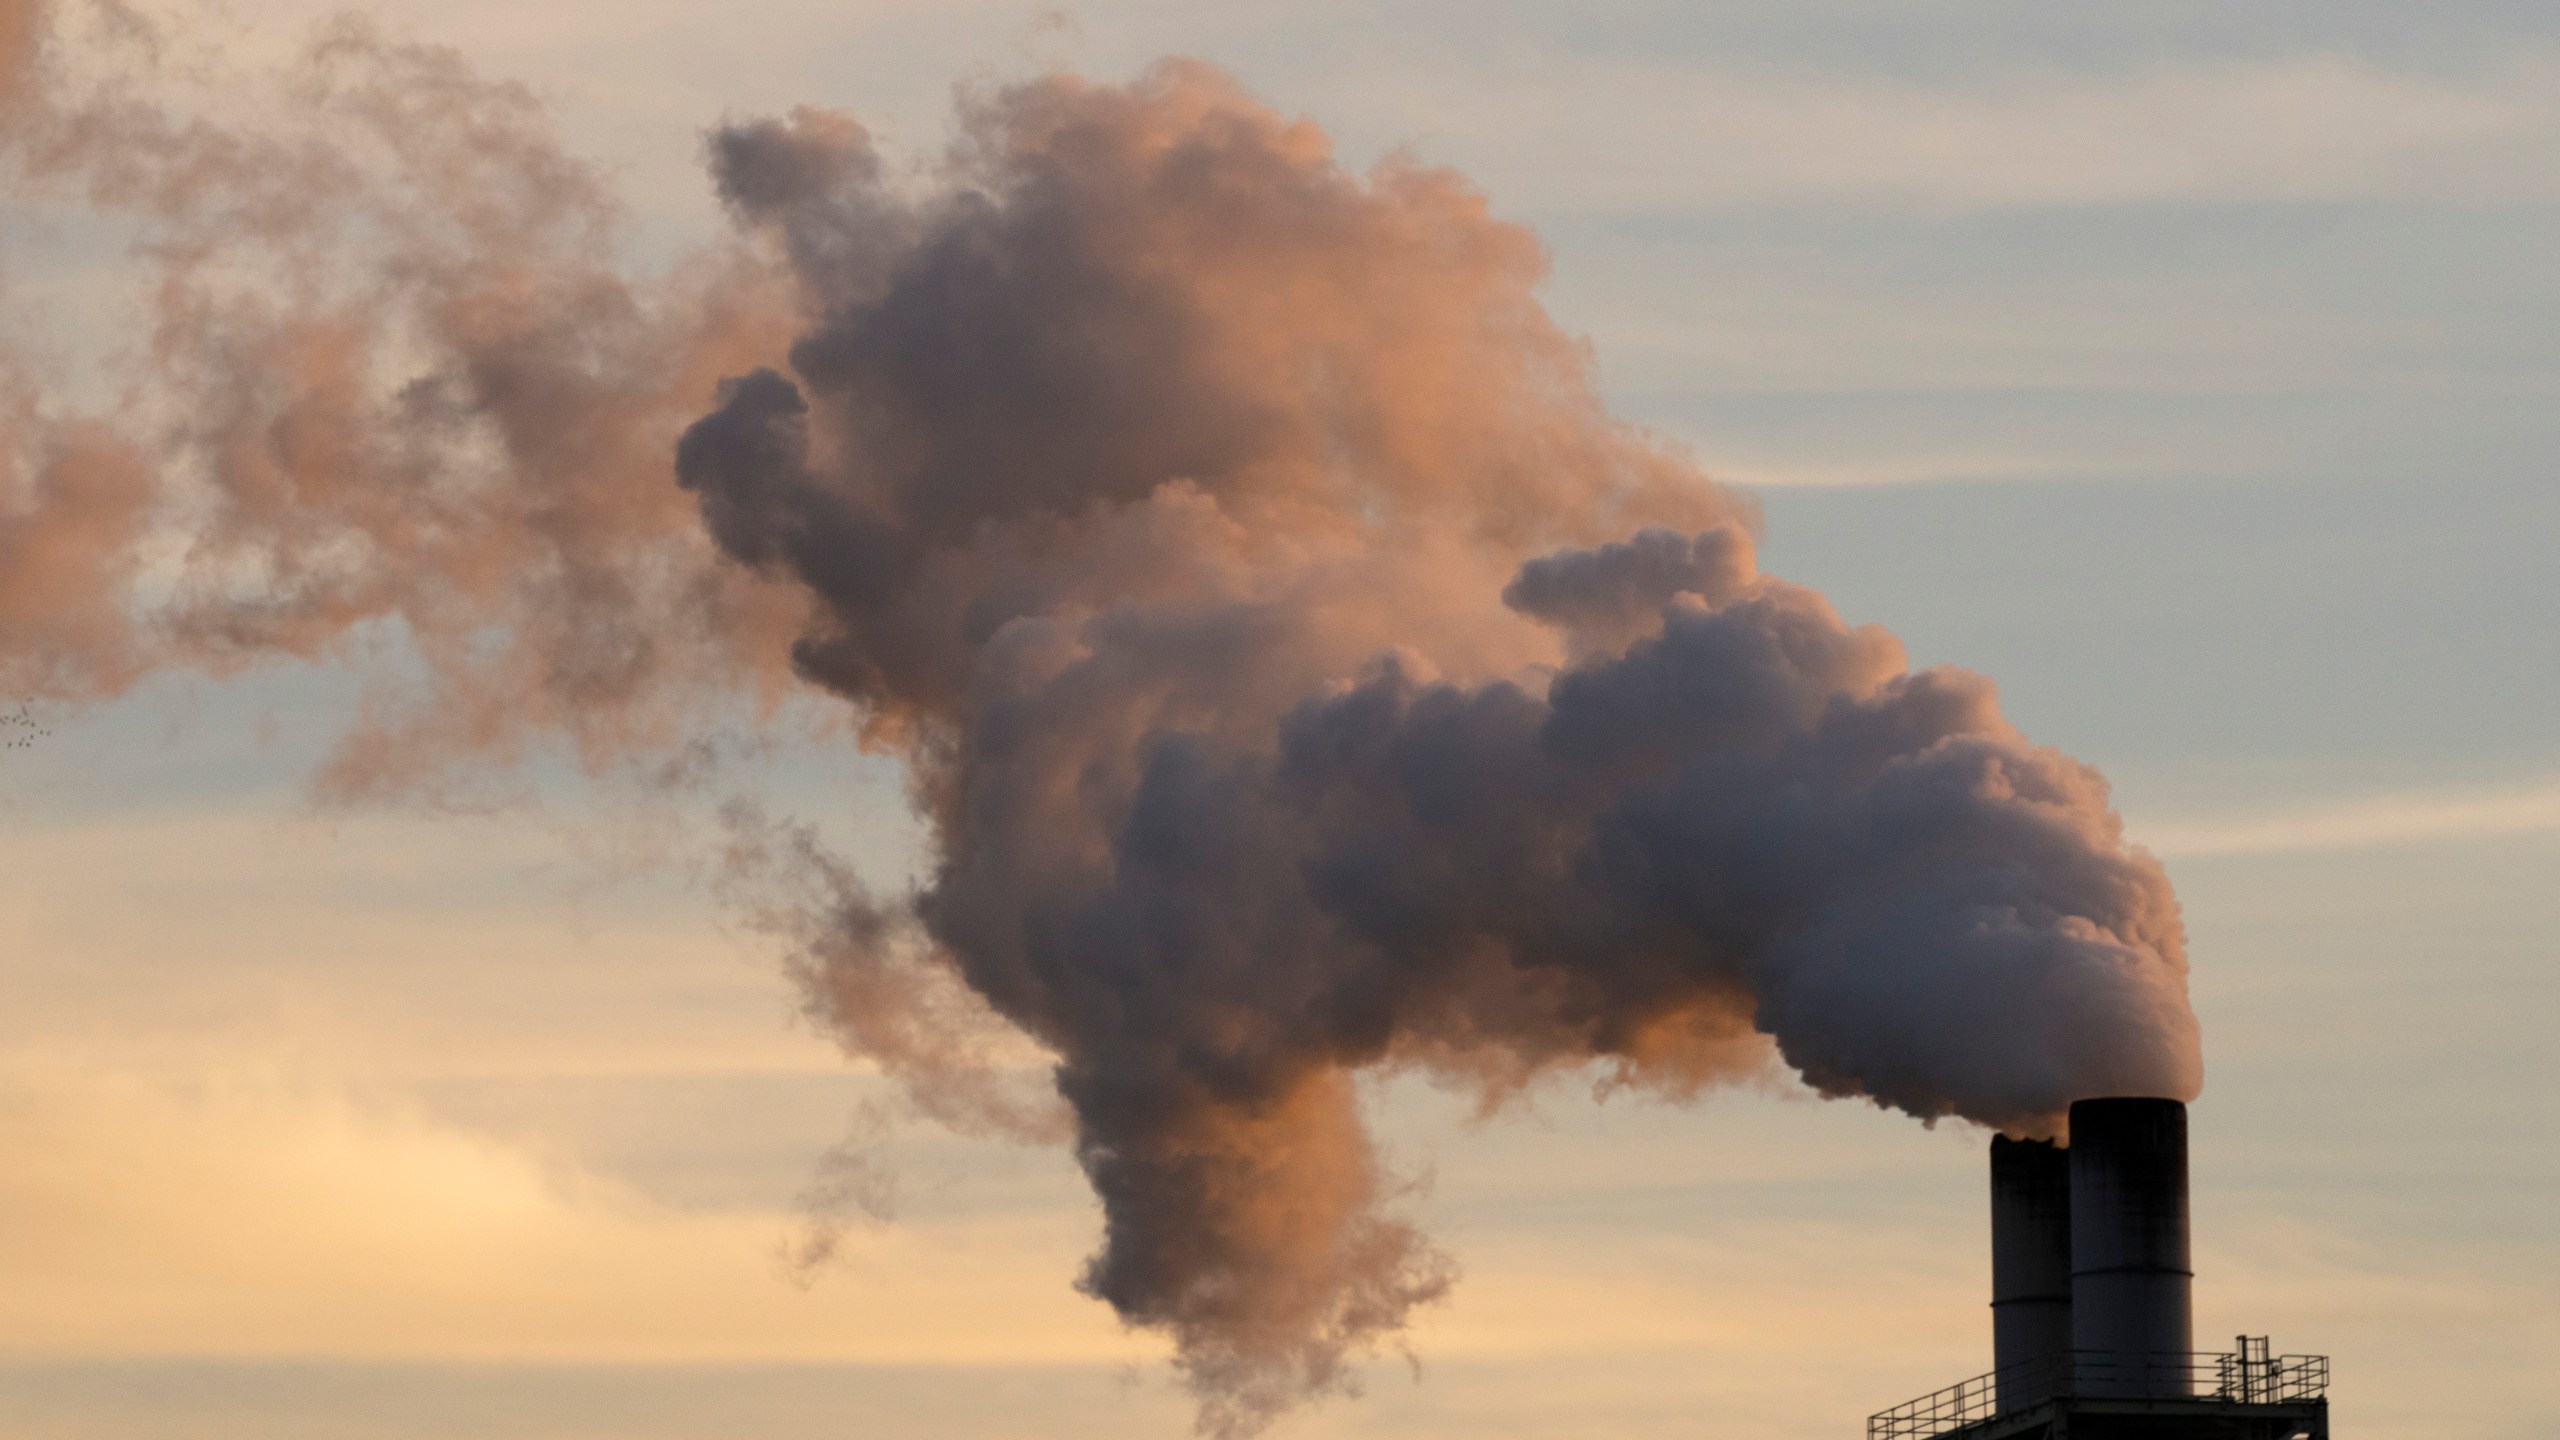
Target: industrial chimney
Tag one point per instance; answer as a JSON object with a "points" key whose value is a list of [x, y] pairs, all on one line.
{"points": [[2132, 1315], [2092, 1326], [2030, 1269]]}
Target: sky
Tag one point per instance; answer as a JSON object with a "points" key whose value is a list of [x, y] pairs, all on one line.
{"points": [[2189, 369]]}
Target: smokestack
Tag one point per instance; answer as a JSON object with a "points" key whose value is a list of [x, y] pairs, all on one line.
{"points": [[2092, 1322], [2030, 1269], [2132, 1317]]}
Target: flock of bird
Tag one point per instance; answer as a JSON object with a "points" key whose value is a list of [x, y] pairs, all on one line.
{"points": [[21, 730]]}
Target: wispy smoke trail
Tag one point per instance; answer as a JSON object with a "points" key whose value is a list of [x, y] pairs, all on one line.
{"points": [[1301, 672], [392, 377]]}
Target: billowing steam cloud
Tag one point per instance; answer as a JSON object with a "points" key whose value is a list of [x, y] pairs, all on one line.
{"points": [[1301, 673], [1224, 538]]}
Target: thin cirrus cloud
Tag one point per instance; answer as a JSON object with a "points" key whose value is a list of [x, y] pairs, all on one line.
{"points": [[249, 1213], [317, 1221], [1921, 468], [2402, 818], [1546, 124], [2303, 127], [382, 947]]}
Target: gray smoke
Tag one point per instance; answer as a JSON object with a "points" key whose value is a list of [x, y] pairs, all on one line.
{"points": [[1302, 674], [1223, 538], [391, 386]]}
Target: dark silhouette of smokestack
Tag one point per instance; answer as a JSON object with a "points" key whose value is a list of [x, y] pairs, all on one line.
{"points": [[2092, 1319], [2030, 1269], [2132, 1314]]}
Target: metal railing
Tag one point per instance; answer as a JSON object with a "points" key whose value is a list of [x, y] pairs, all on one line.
{"points": [[1940, 1411], [2248, 1376]]}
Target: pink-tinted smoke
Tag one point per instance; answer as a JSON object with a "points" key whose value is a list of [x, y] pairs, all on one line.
{"points": [[391, 377], [1301, 673]]}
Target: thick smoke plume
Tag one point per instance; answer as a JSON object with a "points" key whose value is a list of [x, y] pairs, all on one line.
{"points": [[1302, 674]]}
